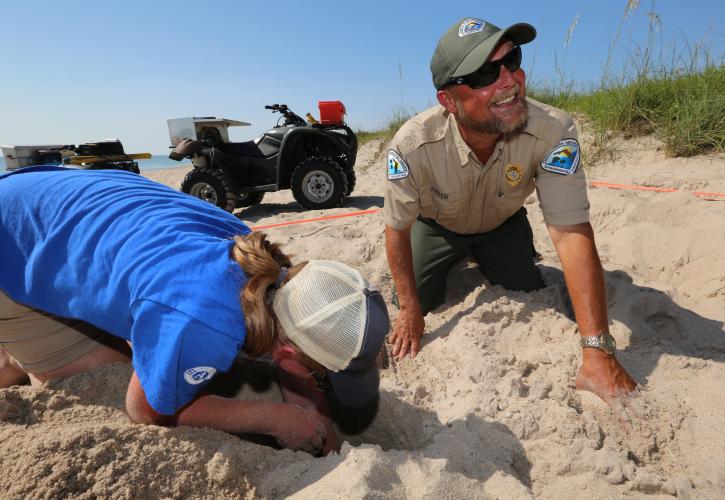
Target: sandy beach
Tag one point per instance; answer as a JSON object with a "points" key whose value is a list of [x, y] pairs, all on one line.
{"points": [[488, 408]]}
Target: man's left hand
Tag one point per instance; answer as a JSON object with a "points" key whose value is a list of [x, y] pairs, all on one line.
{"points": [[602, 374]]}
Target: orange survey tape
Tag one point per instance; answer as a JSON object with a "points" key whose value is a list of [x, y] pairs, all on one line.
{"points": [[631, 187], [610, 185], [326, 217]]}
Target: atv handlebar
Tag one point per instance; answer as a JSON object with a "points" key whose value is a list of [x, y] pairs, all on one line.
{"points": [[290, 117]]}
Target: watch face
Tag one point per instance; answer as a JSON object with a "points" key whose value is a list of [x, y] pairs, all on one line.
{"points": [[607, 343]]}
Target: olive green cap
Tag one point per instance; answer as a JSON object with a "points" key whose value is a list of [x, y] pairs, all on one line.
{"points": [[468, 44]]}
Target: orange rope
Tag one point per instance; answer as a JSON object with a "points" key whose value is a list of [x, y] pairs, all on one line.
{"points": [[610, 185], [656, 189], [326, 217]]}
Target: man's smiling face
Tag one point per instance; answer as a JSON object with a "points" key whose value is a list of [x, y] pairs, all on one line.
{"points": [[498, 108]]}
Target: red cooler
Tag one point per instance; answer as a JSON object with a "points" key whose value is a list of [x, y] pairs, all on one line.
{"points": [[331, 112]]}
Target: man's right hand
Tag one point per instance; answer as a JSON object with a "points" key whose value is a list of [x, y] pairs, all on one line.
{"points": [[405, 337], [298, 428]]}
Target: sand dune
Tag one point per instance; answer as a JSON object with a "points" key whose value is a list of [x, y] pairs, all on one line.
{"points": [[487, 409]]}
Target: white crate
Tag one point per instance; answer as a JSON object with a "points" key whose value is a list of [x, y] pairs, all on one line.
{"points": [[24, 156], [190, 127]]}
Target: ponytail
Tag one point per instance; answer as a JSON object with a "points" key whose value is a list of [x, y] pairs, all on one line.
{"points": [[262, 262]]}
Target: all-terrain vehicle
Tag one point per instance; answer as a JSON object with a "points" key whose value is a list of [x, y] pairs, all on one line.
{"points": [[315, 160]]}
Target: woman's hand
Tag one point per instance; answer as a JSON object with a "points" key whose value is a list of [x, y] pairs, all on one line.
{"points": [[298, 428]]}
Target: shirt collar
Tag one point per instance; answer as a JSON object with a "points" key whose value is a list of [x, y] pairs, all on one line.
{"points": [[465, 153], [463, 149]]}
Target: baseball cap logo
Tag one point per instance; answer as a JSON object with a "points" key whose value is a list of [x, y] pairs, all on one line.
{"points": [[196, 376], [470, 26]]}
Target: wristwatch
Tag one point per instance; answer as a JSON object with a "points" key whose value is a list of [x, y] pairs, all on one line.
{"points": [[604, 341]]}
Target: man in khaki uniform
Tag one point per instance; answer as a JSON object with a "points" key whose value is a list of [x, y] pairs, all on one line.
{"points": [[458, 175]]}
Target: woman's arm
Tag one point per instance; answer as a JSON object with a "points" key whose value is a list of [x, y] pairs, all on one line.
{"points": [[293, 426]]}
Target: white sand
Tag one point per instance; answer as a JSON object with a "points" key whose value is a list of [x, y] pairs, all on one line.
{"points": [[488, 409]]}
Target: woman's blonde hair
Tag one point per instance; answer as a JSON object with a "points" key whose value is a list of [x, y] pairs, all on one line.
{"points": [[262, 262]]}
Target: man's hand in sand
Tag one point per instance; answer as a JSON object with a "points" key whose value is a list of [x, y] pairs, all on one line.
{"points": [[602, 374], [405, 337], [298, 428]]}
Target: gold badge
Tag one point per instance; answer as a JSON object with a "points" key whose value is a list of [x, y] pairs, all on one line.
{"points": [[513, 173]]}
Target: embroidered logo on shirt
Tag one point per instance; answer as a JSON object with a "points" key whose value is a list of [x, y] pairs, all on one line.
{"points": [[513, 173], [470, 26], [564, 158], [397, 168], [196, 376]]}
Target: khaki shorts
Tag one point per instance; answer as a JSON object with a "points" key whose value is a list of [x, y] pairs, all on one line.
{"points": [[40, 341]]}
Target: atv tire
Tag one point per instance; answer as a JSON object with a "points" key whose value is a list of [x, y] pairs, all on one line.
{"points": [[210, 185], [249, 199], [318, 183], [351, 180]]}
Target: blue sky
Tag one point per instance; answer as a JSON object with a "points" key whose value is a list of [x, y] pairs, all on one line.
{"points": [[78, 71]]}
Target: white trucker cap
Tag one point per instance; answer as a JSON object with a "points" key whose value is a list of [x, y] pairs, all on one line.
{"points": [[335, 317]]}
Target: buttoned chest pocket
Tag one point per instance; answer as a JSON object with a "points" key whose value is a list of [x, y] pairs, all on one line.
{"points": [[514, 185]]}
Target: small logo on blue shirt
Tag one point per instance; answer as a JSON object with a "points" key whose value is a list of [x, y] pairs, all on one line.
{"points": [[196, 376]]}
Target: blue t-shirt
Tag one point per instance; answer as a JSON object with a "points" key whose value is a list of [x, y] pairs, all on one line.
{"points": [[133, 257]]}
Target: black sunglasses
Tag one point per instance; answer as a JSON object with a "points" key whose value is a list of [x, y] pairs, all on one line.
{"points": [[489, 72]]}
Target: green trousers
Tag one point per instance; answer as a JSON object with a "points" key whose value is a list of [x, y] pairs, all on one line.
{"points": [[505, 256]]}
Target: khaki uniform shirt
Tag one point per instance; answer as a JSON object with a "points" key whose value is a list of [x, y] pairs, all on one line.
{"points": [[433, 173]]}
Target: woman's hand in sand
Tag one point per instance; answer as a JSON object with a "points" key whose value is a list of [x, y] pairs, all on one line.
{"points": [[602, 374], [298, 428], [406, 333]]}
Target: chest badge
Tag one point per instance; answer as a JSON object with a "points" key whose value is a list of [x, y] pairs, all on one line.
{"points": [[513, 174]]}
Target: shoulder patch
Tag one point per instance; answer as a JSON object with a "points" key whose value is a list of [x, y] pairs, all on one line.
{"points": [[397, 168], [196, 376], [469, 26], [564, 158]]}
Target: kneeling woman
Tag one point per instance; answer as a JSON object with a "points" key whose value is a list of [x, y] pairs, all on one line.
{"points": [[95, 261]]}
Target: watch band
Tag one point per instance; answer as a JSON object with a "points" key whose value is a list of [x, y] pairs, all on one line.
{"points": [[604, 342], [592, 341]]}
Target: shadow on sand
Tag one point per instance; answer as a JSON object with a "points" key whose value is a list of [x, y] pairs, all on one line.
{"points": [[257, 212]]}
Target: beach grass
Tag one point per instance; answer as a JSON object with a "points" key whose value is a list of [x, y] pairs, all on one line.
{"points": [[396, 120], [685, 110]]}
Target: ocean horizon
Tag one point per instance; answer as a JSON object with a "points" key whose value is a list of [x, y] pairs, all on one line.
{"points": [[155, 163]]}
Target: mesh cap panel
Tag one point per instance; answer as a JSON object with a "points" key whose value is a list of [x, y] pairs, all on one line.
{"points": [[322, 310]]}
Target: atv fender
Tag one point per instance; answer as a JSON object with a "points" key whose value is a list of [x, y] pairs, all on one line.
{"points": [[301, 143]]}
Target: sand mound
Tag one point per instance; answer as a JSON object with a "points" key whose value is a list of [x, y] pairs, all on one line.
{"points": [[488, 409]]}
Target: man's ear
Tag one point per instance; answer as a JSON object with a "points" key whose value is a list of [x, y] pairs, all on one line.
{"points": [[446, 99]]}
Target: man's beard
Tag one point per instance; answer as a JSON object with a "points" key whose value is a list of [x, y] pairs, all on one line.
{"points": [[494, 124]]}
